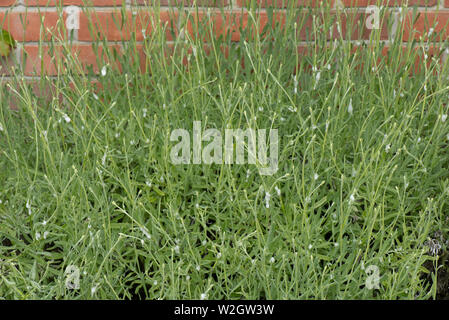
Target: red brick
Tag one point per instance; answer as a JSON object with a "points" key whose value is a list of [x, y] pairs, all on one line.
{"points": [[417, 53], [284, 3], [37, 64], [145, 63], [88, 56], [351, 21], [170, 19], [421, 60], [201, 3], [7, 3], [170, 51], [52, 3], [389, 3], [108, 25], [446, 3], [422, 24], [55, 59], [104, 25], [230, 24], [27, 26]]}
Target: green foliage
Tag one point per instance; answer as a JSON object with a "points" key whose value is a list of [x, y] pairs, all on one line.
{"points": [[7, 43], [86, 178]]}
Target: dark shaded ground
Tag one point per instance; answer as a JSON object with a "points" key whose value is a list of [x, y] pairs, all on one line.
{"points": [[441, 265]]}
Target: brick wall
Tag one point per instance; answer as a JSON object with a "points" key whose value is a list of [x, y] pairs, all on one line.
{"points": [[40, 19]]}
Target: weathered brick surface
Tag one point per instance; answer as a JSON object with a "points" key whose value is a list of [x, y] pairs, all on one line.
{"points": [[47, 59], [426, 24], [204, 3], [389, 3], [109, 25], [284, 3], [52, 3], [31, 26], [41, 21], [7, 3]]}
